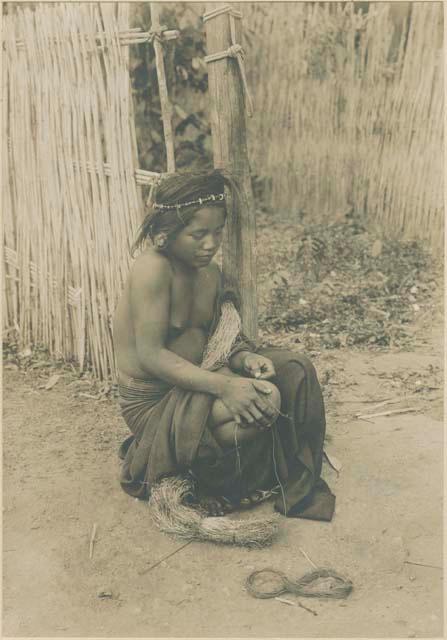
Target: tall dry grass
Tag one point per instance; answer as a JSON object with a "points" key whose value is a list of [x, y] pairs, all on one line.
{"points": [[347, 115], [70, 197]]}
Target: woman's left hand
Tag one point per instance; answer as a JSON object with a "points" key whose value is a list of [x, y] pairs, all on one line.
{"points": [[256, 366]]}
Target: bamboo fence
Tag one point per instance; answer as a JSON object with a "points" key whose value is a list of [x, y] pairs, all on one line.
{"points": [[339, 123], [345, 117], [71, 199]]}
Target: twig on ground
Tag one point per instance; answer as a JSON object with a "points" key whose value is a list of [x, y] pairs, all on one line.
{"points": [[295, 604], [92, 540], [389, 401], [401, 399], [422, 564], [165, 558], [332, 461], [285, 601], [363, 401], [314, 613], [307, 558], [388, 413]]}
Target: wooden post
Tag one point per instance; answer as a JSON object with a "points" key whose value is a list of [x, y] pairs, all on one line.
{"points": [[230, 152], [166, 109]]}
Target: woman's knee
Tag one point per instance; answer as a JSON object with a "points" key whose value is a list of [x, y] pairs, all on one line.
{"points": [[308, 367], [230, 433], [301, 369], [274, 396], [219, 413]]}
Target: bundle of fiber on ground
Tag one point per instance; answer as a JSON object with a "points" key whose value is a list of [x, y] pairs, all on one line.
{"points": [[173, 516]]}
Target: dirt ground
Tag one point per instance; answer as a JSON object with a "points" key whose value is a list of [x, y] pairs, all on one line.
{"points": [[60, 477]]}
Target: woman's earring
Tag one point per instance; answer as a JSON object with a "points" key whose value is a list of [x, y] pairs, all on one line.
{"points": [[161, 240]]}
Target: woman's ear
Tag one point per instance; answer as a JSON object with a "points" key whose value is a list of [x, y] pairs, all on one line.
{"points": [[161, 240]]}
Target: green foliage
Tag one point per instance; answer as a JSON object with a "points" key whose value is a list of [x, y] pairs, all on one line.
{"points": [[339, 285], [187, 81]]}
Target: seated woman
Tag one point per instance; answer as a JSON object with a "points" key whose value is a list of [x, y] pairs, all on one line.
{"points": [[200, 400]]}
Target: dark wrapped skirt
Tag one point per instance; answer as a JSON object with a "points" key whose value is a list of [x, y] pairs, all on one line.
{"points": [[170, 437]]}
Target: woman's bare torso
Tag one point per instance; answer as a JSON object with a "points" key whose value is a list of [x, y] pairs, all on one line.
{"points": [[192, 303]]}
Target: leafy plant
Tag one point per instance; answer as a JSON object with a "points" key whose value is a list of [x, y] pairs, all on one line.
{"points": [[187, 80], [337, 289]]}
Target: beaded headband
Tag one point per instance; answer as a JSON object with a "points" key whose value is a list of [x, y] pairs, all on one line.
{"points": [[212, 198]]}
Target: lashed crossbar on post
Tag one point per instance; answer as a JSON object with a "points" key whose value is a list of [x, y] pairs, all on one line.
{"points": [[234, 51], [166, 108], [221, 10], [130, 36], [142, 177]]}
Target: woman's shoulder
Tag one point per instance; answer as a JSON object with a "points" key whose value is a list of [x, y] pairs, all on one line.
{"points": [[151, 267]]}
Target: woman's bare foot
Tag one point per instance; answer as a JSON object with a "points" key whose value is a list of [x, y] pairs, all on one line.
{"points": [[215, 507], [258, 496], [210, 505], [221, 506]]}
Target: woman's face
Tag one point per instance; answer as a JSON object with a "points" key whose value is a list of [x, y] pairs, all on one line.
{"points": [[197, 243]]}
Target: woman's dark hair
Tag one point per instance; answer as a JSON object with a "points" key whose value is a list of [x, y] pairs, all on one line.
{"points": [[181, 187]]}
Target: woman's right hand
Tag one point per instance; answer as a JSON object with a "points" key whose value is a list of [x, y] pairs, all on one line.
{"points": [[243, 398]]}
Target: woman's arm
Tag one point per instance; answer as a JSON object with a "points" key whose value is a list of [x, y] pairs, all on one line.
{"points": [[150, 302], [252, 365], [236, 362]]}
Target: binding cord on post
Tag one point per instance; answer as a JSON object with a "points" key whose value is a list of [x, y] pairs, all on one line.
{"points": [[234, 51], [161, 34], [221, 10]]}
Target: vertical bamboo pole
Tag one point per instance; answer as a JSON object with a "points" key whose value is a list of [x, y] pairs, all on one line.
{"points": [[230, 152], [166, 109], [123, 18]]}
